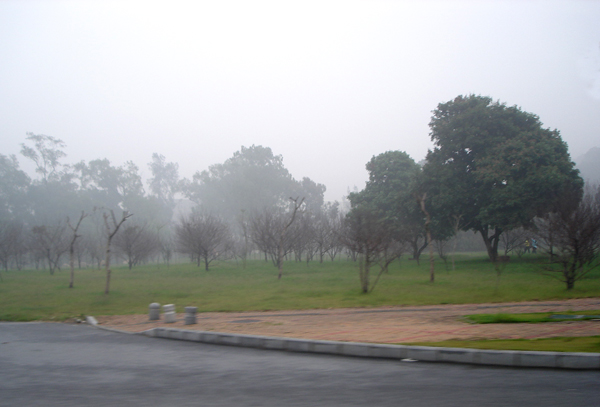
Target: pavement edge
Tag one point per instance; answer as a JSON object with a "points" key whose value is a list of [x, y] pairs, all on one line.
{"points": [[560, 360]]}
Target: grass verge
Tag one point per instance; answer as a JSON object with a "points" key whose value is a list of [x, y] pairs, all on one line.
{"points": [[558, 344], [532, 318]]}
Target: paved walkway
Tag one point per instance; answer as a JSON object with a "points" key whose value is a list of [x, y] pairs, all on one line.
{"points": [[380, 325]]}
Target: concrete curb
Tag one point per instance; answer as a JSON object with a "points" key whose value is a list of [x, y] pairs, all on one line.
{"points": [[93, 322], [557, 360]]}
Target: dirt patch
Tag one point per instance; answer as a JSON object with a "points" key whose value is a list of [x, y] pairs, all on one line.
{"points": [[380, 325]]}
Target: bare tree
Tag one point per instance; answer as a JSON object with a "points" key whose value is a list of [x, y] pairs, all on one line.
{"points": [[264, 228], [367, 234], [575, 236], [205, 237], [136, 243], [50, 243], [111, 231], [72, 245], [244, 226], [271, 233], [282, 234], [335, 244], [304, 241], [166, 247], [512, 240], [12, 244]]}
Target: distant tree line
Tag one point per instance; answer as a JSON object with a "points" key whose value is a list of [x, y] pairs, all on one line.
{"points": [[494, 170], [239, 206]]}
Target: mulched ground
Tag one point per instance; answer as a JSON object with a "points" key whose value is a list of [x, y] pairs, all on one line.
{"points": [[380, 325]]}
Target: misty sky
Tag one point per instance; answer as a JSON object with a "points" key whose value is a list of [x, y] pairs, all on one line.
{"points": [[326, 84]]}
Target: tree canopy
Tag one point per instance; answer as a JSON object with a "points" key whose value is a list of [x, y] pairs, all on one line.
{"points": [[394, 179], [496, 166], [253, 179]]}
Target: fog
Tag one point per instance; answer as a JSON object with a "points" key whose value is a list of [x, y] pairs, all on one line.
{"points": [[325, 84]]}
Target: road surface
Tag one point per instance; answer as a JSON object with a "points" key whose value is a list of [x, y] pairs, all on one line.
{"points": [[51, 364]]}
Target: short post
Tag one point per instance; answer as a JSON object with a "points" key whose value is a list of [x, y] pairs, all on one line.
{"points": [[154, 311], [169, 311], [190, 315]]}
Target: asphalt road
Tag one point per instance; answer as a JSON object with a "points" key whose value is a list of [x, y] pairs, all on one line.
{"points": [[45, 364]]}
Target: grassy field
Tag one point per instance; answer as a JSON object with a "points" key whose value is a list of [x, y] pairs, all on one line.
{"points": [[36, 295]]}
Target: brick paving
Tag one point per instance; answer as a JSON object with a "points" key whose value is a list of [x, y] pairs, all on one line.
{"points": [[380, 325]]}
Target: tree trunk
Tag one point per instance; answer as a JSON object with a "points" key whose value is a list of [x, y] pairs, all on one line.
{"points": [[428, 235], [491, 242], [107, 267], [363, 272], [280, 258], [72, 265], [456, 225], [111, 234]]}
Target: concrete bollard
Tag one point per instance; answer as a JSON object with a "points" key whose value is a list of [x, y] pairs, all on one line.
{"points": [[190, 315], [154, 311], [169, 311]]}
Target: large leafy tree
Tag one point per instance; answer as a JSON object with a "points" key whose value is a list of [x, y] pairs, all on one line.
{"points": [[107, 185], [46, 154], [13, 188], [164, 183], [54, 194], [390, 191], [253, 180], [496, 166]]}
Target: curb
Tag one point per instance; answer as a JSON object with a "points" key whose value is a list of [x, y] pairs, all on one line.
{"points": [[557, 360], [93, 322]]}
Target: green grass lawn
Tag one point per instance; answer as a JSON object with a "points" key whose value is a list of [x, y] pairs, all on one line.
{"points": [[532, 318], [562, 344], [36, 295]]}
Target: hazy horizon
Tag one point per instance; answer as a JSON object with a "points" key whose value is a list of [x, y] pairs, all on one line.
{"points": [[325, 84]]}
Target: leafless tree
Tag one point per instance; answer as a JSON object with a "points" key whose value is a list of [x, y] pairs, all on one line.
{"points": [[12, 244], [304, 241], [137, 243], [20, 248], [74, 237], [94, 246], [367, 234], [205, 237], [166, 247], [326, 231], [512, 240], [270, 232], [244, 227], [111, 231], [51, 243], [335, 244], [575, 238], [263, 232], [283, 236]]}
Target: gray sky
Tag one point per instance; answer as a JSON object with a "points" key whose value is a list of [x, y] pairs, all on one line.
{"points": [[326, 84]]}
